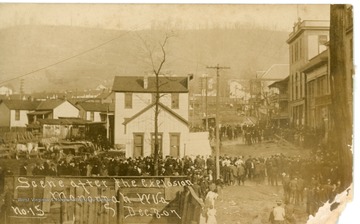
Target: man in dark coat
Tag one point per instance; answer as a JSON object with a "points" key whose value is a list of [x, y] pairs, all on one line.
{"points": [[23, 170]]}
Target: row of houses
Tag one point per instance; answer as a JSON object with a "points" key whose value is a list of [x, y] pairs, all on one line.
{"points": [[53, 118], [126, 115]]}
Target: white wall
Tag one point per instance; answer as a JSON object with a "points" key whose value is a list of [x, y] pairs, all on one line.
{"points": [[23, 119], [145, 124], [141, 101], [198, 144], [314, 48], [97, 117], [65, 109], [5, 91]]}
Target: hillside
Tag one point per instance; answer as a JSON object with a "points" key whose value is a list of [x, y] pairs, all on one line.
{"points": [[27, 48]]}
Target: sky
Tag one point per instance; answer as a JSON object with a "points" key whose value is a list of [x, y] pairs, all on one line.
{"points": [[143, 16]]}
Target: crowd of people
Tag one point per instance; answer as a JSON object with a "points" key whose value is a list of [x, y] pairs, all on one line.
{"points": [[306, 182], [253, 133]]}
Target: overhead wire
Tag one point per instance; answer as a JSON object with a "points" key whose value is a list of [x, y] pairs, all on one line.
{"points": [[71, 57]]}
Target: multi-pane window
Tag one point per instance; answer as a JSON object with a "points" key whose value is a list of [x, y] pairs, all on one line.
{"points": [[293, 52], [175, 144], [175, 100], [128, 100], [311, 87], [321, 86], [296, 86], [296, 51], [138, 144], [17, 115]]}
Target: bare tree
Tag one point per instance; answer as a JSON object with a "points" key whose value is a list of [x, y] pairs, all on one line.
{"points": [[158, 56]]}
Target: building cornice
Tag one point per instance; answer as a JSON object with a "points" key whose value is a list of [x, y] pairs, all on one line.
{"points": [[300, 27]]}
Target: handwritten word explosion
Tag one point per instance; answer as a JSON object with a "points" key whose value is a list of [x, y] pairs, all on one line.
{"points": [[86, 184]]}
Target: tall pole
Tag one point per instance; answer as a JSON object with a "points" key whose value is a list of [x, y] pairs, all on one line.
{"points": [[206, 104], [217, 118], [21, 88], [341, 136], [205, 76]]}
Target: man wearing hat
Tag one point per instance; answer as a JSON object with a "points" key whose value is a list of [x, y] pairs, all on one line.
{"points": [[277, 215]]}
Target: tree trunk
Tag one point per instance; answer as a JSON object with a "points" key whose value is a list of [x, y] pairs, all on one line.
{"points": [[156, 145], [342, 134]]}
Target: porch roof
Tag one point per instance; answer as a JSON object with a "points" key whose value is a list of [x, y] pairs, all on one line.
{"points": [[39, 112]]}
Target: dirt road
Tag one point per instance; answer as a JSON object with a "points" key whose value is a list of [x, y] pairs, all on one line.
{"points": [[252, 203]]}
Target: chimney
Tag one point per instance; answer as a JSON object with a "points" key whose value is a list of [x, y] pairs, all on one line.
{"points": [[146, 81]]}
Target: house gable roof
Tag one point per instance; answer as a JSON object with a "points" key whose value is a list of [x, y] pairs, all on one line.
{"points": [[136, 84], [51, 104], [280, 83], [128, 120], [92, 106], [20, 104]]}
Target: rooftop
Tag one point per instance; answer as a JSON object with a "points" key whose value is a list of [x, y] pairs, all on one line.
{"points": [[93, 106], [136, 84], [280, 84], [49, 104], [300, 26], [21, 104]]}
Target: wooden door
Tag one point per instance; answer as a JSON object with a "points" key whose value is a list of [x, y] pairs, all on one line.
{"points": [[138, 145]]}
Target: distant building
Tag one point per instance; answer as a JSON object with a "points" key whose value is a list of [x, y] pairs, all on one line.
{"points": [[92, 111], [318, 94], [4, 90], [237, 91], [134, 115], [53, 109], [280, 100], [260, 103], [98, 114], [307, 40], [61, 128], [14, 113], [101, 87]]}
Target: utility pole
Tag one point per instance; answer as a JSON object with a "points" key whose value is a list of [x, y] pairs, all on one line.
{"points": [[205, 76], [217, 117], [341, 136], [206, 103], [21, 89]]}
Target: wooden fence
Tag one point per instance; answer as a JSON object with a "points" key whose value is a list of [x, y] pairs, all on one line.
{"points": [[192, 208], [100, 200]]}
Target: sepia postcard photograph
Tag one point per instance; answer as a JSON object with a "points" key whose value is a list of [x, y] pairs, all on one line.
{"points": [[117, 113]]}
